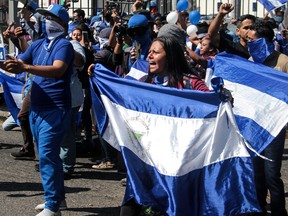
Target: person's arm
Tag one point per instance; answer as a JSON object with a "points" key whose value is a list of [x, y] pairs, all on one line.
{"points": [[52, 71], [91, 70], [117, 56], [78, 59], [214, 27], [29, 26], [79, 54], [8, 33], [112, 37], [138, 4], [22, 41], [200, 60]]}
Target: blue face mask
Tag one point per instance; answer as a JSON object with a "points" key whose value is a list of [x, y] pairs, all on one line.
{"points": [[145, 42], [260, 49], [51, 29], [278, 19]]}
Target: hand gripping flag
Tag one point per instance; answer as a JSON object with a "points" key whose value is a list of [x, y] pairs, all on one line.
{"points": [[272, 4], [183, 151], [12, 93], [260, 97]]}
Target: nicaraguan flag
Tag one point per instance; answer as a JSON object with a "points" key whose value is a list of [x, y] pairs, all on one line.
{"points": [[260, 97], [138, 71], [272, 4], [183, 151], [12, 93]]}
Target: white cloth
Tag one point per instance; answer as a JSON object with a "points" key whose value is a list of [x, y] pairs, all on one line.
{"points": [[75, 84]]}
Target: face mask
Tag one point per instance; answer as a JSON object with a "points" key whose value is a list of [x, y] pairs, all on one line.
{"points": [[278, 19], [51, 29], [260, 49], [142, 39], [145, 42]]}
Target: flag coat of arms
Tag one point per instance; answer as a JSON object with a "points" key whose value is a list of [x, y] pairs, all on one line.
{"points": [[183, 151]]}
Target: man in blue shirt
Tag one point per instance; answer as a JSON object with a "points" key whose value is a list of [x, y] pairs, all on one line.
{"points": [[50, 60]]}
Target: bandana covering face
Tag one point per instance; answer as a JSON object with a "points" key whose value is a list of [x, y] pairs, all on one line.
{"points": [[278, 19], [52, 29], [260, 49], [145, 42]]}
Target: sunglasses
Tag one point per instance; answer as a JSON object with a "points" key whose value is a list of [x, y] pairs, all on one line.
{"points": [[136, 31]]}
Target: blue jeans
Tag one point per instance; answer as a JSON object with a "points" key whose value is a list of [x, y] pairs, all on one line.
{"points": [[68, 145], [268, 176], [48, 129]]}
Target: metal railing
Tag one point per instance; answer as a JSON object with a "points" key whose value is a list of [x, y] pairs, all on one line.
{"points": [[206, 7]]}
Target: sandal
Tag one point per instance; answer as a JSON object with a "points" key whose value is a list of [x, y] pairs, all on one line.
{"points": [[104, 166]]}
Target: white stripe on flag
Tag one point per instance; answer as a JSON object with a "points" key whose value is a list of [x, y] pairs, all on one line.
{"points": [[256, 105], [137, 74], [276, 3], [17, 99], [175, 146]]}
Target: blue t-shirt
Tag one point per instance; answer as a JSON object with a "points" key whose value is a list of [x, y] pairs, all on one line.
{"points": [[47, 93]]}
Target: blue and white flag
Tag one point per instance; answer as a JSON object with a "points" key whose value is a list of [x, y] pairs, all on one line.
{"points": [[12, 93], [183, 151], [272, 4], [138, 71], [260, 97]]}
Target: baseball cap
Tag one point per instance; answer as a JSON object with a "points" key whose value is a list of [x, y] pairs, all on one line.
{"points": [[153, 4], [32, 6], [95, 19], [105, 33], [137, 20], [55, 10]]}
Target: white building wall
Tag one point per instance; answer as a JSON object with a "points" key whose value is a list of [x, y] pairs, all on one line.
{"points": [[210, 7]]}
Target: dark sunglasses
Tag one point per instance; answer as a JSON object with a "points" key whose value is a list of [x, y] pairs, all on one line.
{"points": [[136, 31]]}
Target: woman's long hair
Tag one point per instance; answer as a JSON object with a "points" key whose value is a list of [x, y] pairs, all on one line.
{"points": [[177, 63]]}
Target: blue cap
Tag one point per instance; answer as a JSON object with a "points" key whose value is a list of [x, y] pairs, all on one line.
{"points": [[95, 19], [32, 6], [153, 4], [71, 27], [56, 10], [137, 20]]}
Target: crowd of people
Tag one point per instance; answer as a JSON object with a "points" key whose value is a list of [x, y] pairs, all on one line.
{"points": [[58, 54]]}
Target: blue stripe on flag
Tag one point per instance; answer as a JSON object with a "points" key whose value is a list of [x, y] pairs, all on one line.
{"points": [[272, 4], [133, 94], [12, 94], [218, 189]]}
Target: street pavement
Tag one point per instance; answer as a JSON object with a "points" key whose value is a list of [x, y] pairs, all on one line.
{"points": [[89, 192]]}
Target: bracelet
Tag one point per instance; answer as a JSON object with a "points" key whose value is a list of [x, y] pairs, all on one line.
{"points": [[28, 68]]}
